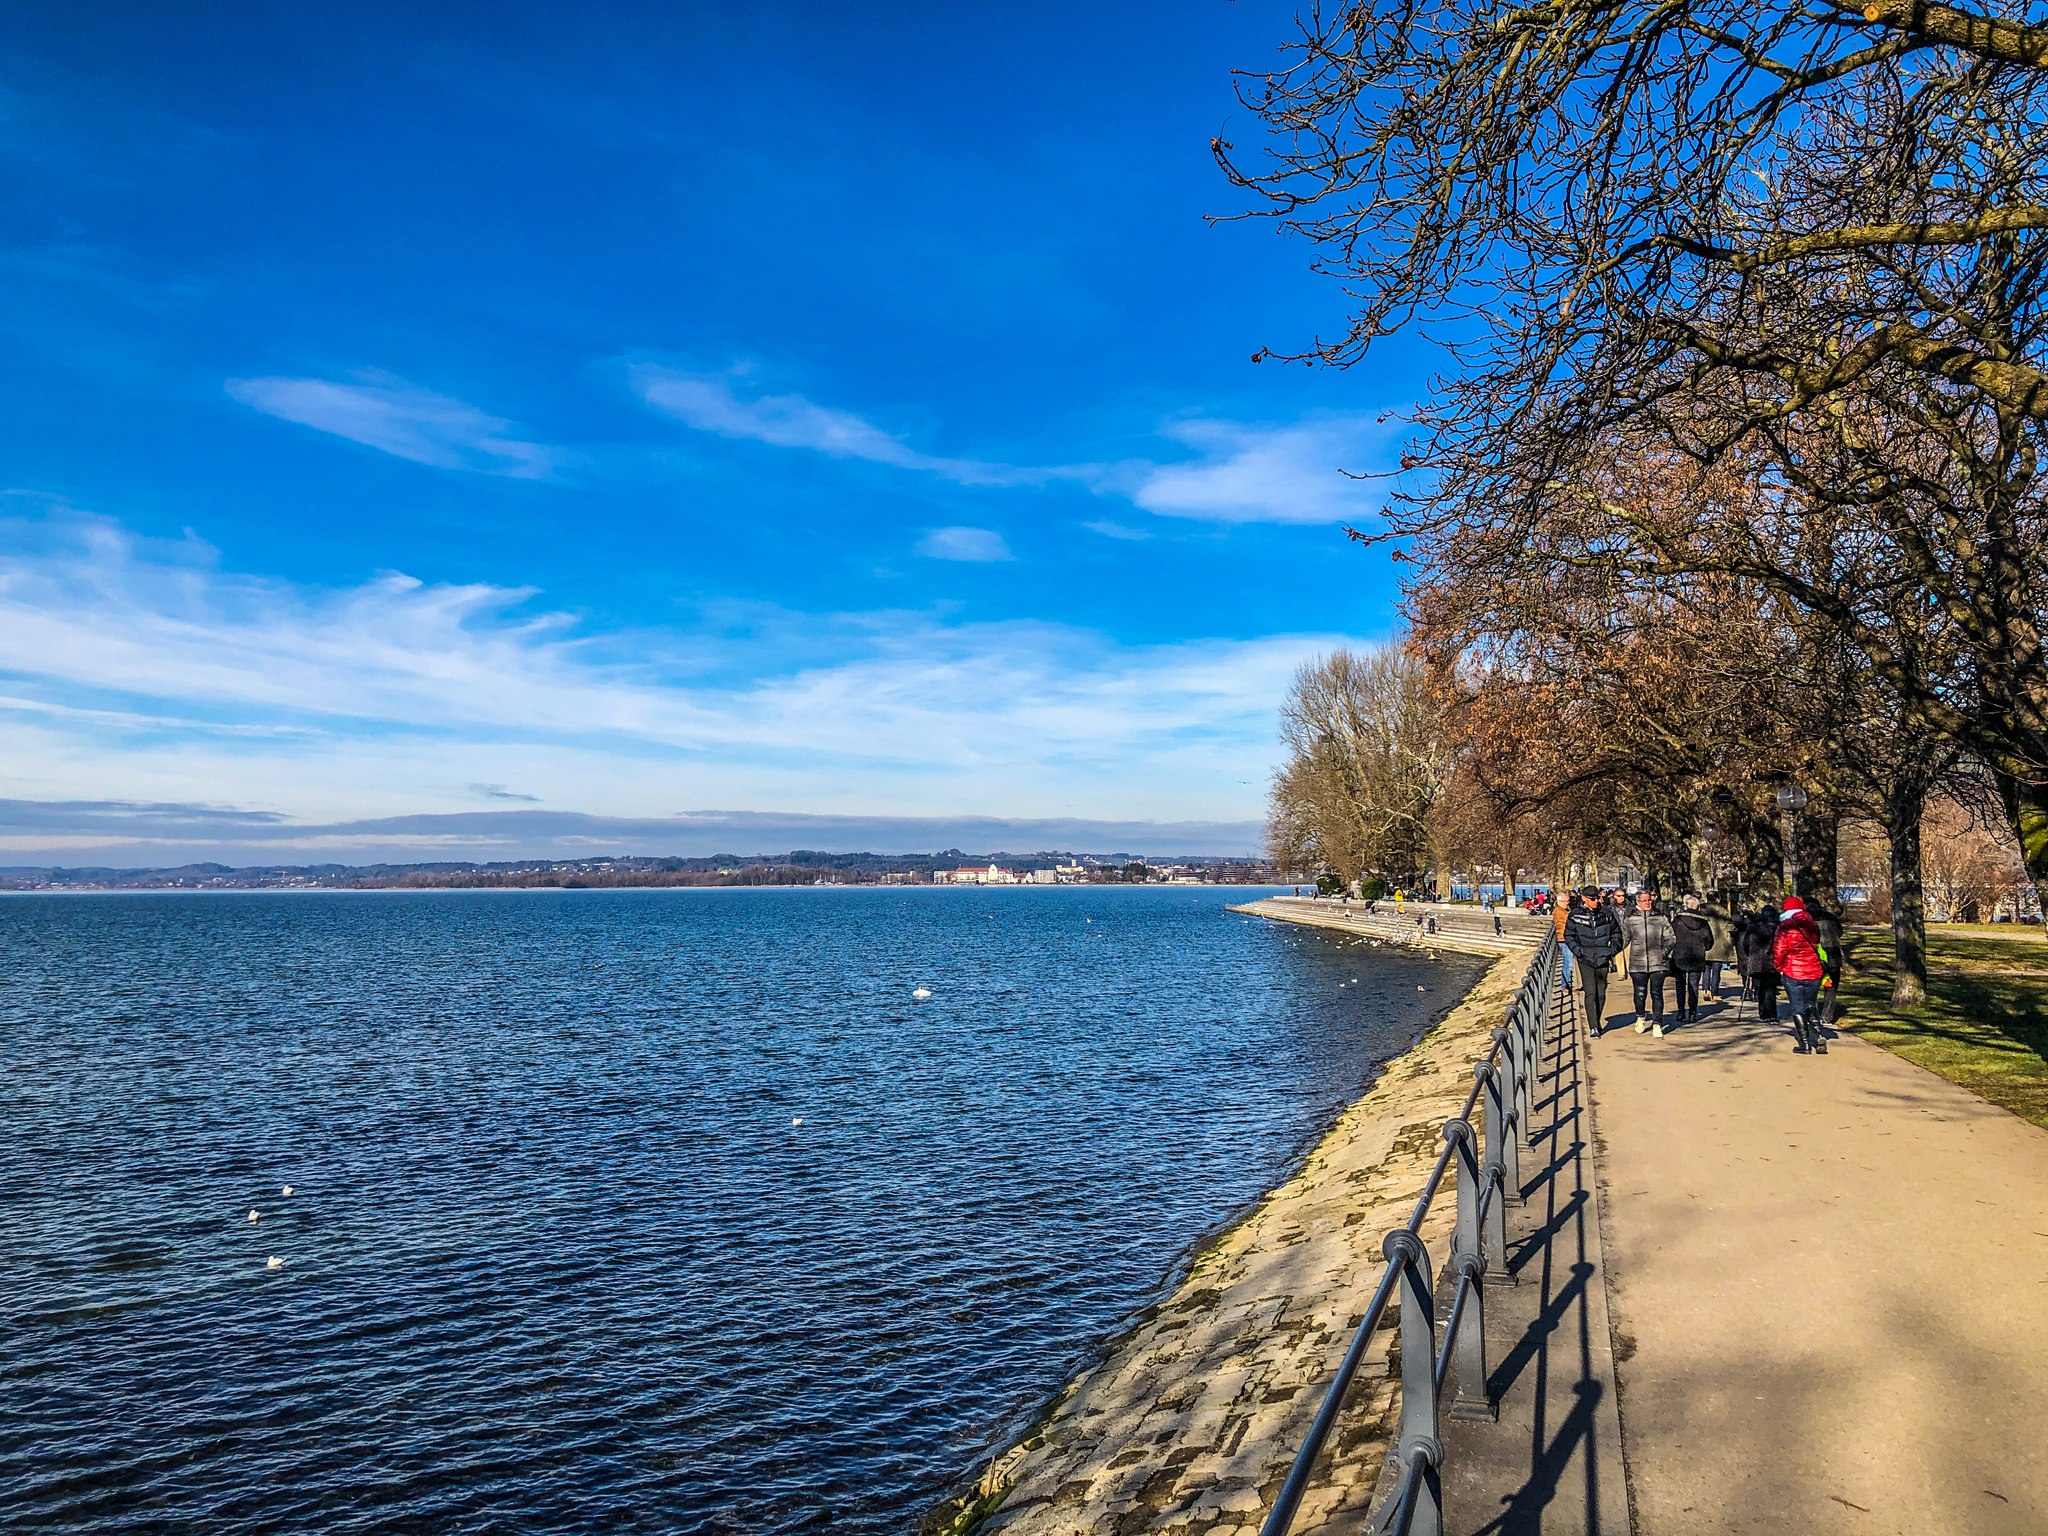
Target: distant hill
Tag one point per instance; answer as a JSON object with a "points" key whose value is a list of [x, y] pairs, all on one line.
{"points": [[800, 866]]}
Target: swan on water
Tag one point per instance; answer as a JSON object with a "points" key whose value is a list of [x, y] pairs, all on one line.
{"points": [[286, 1190], [254, 1214], [796, 1120], [922, 993], [275, 1263]]}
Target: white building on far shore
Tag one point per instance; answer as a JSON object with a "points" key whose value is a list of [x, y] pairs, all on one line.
{"points": [[970, 875]]}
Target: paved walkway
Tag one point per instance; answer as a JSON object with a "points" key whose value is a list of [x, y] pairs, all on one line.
{"points": [[1552, 1465], [1829, 1279], [1458, 927]]}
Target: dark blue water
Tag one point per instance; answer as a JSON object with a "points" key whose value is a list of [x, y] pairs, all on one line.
{"points": [[557, 1259]]}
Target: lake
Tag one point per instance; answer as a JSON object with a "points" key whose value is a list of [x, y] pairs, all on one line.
{"points": [[662, 1210]]}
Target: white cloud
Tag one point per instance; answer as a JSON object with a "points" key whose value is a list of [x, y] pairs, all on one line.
{"points": [[388, 414], [976, 544], [708, 402], [1111, 530], [1243, 473], [1265, 474], [144, 672]]}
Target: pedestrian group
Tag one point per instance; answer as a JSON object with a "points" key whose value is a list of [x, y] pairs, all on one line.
{"points": [[1775, 947]]}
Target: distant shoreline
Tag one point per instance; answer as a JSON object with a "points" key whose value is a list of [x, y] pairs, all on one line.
{"points": [[559, 889], [798, 868]]}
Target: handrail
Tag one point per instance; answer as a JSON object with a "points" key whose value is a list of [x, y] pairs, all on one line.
{"points": [[1478, 1257]]}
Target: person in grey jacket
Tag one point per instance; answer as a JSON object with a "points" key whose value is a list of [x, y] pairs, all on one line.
{"points": [[1650, 942]]}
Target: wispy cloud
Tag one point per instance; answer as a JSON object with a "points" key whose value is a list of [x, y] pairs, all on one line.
{"points": [[149, 674], [975, 544], [1242, 473], [500, 792], [1111, 530], [1265, 474], [397, 418], [710, 403]]}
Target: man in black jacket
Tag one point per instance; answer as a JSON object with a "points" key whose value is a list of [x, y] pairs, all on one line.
{"points": [[1593, 934], [1692, 937], [1753, 944]]}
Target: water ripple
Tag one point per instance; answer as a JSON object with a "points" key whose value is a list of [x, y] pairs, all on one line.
{"points": [[556, 1257]]}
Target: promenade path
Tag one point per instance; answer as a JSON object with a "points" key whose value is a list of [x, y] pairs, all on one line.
{"points": [[1459, 926], [1828, 1280]]}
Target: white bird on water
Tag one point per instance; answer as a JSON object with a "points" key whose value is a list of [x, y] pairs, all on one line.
{"points": [[922, 993], [286, 1190], [796, 1120], [275, 1263], [254, 1214]]}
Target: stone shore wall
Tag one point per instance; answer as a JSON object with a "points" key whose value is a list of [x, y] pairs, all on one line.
{"points": [[1190, 1422]]}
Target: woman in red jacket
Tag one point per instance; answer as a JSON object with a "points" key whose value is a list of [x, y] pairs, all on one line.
{"points": [[1796, 954]]}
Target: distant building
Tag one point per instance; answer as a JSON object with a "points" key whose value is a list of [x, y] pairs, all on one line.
{"points": [[968, 874]]}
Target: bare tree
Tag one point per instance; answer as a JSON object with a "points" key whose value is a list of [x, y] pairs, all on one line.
{"points": [[1367, 761], [1804, 238]]}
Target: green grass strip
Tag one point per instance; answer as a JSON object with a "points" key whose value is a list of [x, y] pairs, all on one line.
{"points": [[1984, 1025]]}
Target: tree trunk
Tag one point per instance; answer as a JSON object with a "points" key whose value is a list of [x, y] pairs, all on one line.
{"points": [[1817, 859], [1903, 810], [2026, 812], [1765, 869]]}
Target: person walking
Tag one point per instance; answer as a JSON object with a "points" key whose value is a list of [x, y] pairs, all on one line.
{"points": [[1830, 926], [1722, 951], [1796, 956], [1691, 937], [1753, 941], [1650, 940], [1560, 912], [1593, 935]]}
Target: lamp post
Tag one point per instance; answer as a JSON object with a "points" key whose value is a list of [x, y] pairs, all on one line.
{"points": [[1791, 800], [1710, 835]]}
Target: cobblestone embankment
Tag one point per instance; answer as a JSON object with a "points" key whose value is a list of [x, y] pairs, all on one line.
{"points": [[1189, 1424]]}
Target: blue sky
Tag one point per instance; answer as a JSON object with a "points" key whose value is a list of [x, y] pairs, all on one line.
{"points": [[427, 412]]}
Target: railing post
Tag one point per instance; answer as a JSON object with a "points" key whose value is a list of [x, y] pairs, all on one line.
{"points": [[1472, 1400], [1467, 1238], [1469, 1260], [1418, 1435], [1503, 1114], [1525, 1099], [1494, 1229]]}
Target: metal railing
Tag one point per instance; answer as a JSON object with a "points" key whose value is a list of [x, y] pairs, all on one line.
{"points": [[1489, 1181]]}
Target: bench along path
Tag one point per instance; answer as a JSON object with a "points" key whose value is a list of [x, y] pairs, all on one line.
{"points": [[1829, 1285]]}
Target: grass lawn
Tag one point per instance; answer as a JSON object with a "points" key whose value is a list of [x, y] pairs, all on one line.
{"points": [[1985, 1023]]}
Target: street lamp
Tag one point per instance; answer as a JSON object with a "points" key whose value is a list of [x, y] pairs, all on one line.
{"points": [[1709, 836], [1791, 800]]}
